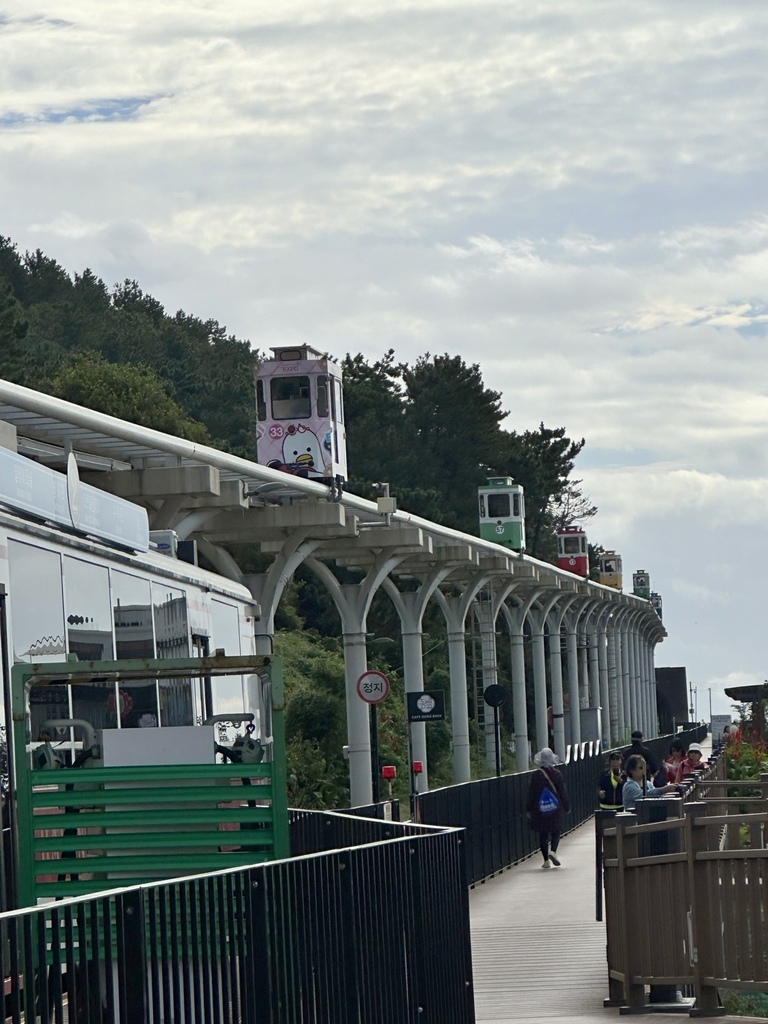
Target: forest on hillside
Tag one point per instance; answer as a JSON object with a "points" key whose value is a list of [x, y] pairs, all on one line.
{"points": [[431, 429]]}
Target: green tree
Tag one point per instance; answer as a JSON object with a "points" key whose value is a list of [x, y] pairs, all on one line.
{"points": [[131, 393], [13, 330], [452, 434], [542, 461]]}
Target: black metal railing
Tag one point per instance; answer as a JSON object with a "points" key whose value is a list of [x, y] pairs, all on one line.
{"points": [[493, 811], [376, 930]]}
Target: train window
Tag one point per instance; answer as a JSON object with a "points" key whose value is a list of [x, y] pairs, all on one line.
{"points": [[89, 622], [516, 506], [338, 401], [482, 506], [291, 398], [322, 395], [498, 506], [261, 404], [132, 615], [571, 545]]}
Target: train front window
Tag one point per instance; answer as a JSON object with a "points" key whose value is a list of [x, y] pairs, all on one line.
{"points": [[571, 545], [516, 512], [498, 506], [291, 398]]}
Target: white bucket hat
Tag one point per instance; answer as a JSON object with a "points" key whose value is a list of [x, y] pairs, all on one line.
{"points": [[546, 758]]}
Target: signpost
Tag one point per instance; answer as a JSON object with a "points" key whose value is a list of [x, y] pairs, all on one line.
{"points": [[373, 688], [495, 696]]}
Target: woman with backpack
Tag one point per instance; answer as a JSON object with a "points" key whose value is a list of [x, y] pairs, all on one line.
{"points": [[547, 804]]}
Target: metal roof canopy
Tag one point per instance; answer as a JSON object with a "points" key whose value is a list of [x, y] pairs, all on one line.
{"points": [[49, 428]]}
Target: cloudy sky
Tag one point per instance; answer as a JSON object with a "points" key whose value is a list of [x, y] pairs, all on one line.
{"points": [[571, 193]]}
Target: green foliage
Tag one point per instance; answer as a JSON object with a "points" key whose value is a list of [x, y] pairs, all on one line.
{"points": [[131, 393], [737, 1003], [746, 758]]}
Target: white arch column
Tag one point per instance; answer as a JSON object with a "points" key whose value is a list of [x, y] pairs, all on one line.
{"points": [[558, 606], [410, 607], [353, 601], [455, 608], [618, 722], [515, 617]]}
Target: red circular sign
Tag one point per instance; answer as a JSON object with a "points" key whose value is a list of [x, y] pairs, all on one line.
{"points": [[373, 686]]}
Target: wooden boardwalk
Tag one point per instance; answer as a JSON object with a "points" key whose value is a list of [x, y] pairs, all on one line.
{"points": [[537, 950]]}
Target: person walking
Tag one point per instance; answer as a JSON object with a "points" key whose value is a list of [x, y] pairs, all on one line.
{"points": [[547, 805]]}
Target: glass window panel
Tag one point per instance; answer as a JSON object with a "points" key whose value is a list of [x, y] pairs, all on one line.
{"points": [[571, 545], [322, 395], [498, 506], [134, 639], [227, 691], [132, 615], [290, 398], [37, 605], [88, 610], [169, 609]]}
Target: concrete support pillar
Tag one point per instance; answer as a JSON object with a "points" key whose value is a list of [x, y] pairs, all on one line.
{"points": [[572, 662], [457, 663], [556, 678], [628, 702], [519, 699], [618, 722], [358, 721], [602, 667], [413, 673], [455, 610], [486, 621], [540, 688]]}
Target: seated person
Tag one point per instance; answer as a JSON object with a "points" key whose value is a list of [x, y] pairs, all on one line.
{"points": [[694, 762], [638, 784], [611, 783]]}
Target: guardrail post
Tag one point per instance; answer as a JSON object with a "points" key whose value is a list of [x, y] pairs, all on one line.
{"points": [[700, 929], [614, 934], [626, 848], [133, 970]]}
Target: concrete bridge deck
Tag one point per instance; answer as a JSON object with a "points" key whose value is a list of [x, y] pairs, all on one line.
{"points": [[538, 952]]}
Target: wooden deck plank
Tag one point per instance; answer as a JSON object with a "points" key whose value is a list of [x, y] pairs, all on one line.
{"points": [[537, 951]]}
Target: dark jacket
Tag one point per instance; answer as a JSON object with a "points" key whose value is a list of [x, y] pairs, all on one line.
{"points": [[636, 747], [612, 800], [552, 780]]}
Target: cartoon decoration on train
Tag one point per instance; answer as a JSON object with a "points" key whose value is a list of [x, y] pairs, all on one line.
{"points": [[502, 512], [300, 415], [609, 570], [573, 551]]}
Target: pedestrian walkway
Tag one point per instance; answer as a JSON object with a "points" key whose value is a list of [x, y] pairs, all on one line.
{"points": [[538, 952]]}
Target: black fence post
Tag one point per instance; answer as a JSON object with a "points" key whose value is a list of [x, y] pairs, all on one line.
{"points": [[132, 968]]}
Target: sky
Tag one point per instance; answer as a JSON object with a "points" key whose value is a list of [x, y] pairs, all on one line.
{"points": [[571, 194]]}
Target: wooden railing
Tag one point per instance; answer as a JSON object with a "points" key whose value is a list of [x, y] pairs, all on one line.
{"points": [[691, 910]]}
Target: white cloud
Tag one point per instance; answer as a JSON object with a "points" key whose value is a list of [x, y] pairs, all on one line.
{"points": [[571, 194]]}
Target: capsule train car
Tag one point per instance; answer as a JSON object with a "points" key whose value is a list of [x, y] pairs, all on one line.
{"points": [[609, 570], [573, 551], [300, 415], [123, 660], [641, 584], [502, 512]]}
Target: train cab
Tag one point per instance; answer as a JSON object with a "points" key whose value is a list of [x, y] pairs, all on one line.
{"points": [[300, 415], [502, 512], [641, 584], [610, 575], [656, 604], [572, 550]]}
